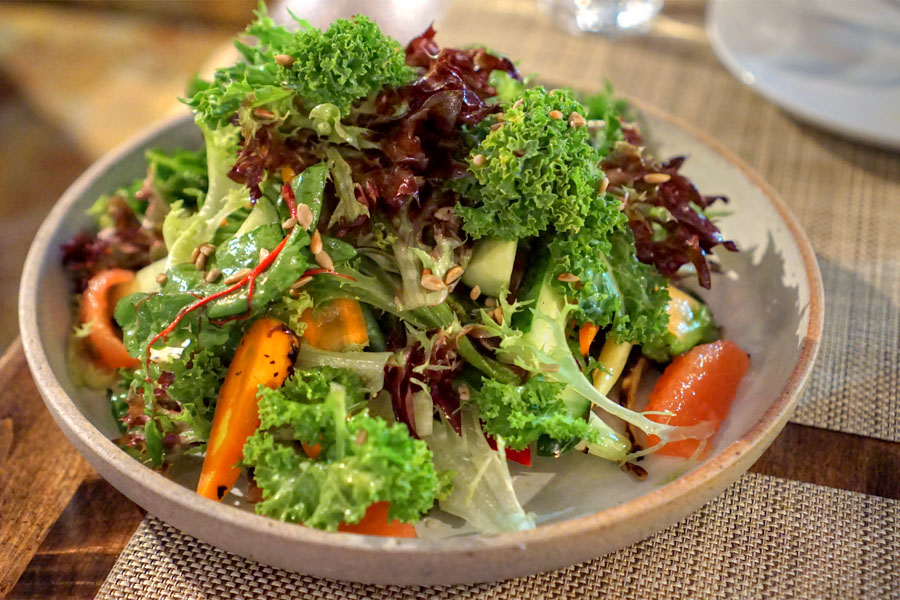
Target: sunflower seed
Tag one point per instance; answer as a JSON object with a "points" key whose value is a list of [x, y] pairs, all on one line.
{"points": [[237, 276], [325, 261], [657, 177], [315, 244], [453, 274], [432, 282]]}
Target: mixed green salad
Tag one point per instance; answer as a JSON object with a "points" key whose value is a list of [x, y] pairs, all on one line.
{"points": [[388, 273]]}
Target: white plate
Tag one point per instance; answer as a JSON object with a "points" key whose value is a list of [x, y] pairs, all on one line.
{"points": [[833, 63], [769, 300]]}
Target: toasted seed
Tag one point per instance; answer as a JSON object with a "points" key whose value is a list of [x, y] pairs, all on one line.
{"points": [[497, 314], [263, 113], [476, 291], [237, 276], [637, 470], [325, 261], [556, 115], [490, 302], [289, 223], [576, 120], [463, 392], [518, 103], [657, 177], [315, 244], [200, 263], [195, 253], [496, 126], [304, 216], [361, 437], [161, 278], [285, 60], [549, 368], [453, 274], [432, 282], [207, 249], [568, 278], [263, 254], [604, 185], [212, 275], [478, 160], [301, 282]]}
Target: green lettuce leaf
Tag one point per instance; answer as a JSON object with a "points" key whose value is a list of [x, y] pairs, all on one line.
{"points": [[363, 460]]}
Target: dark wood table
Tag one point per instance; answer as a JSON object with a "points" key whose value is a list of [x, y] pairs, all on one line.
{"points": [[62, 526]]}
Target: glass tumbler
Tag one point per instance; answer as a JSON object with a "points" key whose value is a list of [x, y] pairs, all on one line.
{"points": [[603, 16]]}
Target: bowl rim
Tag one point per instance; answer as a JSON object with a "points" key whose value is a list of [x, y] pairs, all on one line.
{"points": [[96, 447]]}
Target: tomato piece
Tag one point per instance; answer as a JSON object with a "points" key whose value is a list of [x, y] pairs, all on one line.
{"points": [[697, 386], [523, 456]]}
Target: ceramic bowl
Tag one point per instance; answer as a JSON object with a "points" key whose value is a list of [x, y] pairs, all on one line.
{"points": [[768, 298]]}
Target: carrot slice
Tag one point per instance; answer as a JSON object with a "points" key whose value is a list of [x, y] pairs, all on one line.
{"points": [[264, 356], [335, 325], [97, 309], [697, 386], [375, 522], [586, 336]]}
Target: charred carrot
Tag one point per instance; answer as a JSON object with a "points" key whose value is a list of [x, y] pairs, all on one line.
{"points": [[697, 386], [335, 325], [375, 522], [264, 356], [97, 309]]}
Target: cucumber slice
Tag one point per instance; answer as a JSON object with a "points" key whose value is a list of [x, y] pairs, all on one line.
{"points": [[491, 265]]}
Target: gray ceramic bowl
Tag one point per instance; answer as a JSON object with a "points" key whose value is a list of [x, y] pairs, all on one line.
{"points": [[769, 300]]}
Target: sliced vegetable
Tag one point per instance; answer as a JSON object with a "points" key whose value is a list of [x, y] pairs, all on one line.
{"points": [[690, 323], [612, 360], [336, 325], [375, 522], [265, 356], [96, 311], [698, 386], [586, 336]]}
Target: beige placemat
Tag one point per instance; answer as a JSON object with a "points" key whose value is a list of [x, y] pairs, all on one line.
{"points": [[846, 195], [765, 537]]}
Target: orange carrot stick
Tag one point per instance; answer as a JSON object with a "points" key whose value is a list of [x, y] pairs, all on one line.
{"points": [[97, 310], [375, 522], [335, 325], [264, 356], [697, 386], [586, 336]]}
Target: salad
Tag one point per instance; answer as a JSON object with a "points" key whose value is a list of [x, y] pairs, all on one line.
{"points": [[387, 274]]}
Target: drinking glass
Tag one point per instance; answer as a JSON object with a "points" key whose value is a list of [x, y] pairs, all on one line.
{"points": [[603, 16]]}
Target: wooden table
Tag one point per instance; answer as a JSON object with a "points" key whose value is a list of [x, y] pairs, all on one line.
{"points": [[62, 526]]}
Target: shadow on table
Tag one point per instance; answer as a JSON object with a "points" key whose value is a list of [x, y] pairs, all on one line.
{"points": [[854, 386]]}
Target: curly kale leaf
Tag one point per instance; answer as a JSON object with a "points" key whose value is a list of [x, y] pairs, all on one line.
{"points": [[534, 171], [520, 414], [349, 61], [613, 288], [362, 460]]}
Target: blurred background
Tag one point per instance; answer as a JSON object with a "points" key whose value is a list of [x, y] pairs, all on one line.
{"points": [[77, 79]]}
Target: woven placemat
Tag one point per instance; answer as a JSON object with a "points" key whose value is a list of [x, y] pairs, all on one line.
{"points": [[764, 537], [846, 195]]}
